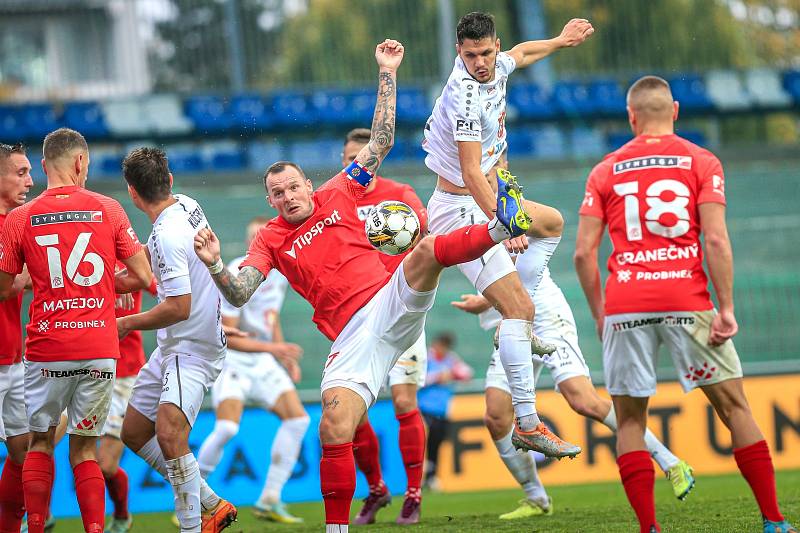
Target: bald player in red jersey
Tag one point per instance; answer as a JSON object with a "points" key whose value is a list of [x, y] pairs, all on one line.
{"points": [[15, 182], [405, 377], [372, 315], [70, 239], [657, 194]]}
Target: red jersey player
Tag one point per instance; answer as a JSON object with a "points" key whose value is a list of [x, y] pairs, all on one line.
{"points": [[70, 240], [15, 182], [405, 377], [657, 194], [373, 316]]}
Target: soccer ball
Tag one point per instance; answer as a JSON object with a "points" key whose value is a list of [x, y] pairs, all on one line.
{"points": [[392, 227]]}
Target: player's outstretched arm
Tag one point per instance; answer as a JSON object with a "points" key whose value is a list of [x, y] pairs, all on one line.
{"points": [[237, 289], [590, 232], [574, 33], [389, 55]]}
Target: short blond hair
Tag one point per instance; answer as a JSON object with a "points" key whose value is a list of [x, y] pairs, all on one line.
{"points": [[651, 97]]}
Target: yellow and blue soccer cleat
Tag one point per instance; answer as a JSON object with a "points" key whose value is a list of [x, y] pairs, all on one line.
{"points": [[778, 527], [275, 512], [510, 211], [681, 478], [529, 508]]}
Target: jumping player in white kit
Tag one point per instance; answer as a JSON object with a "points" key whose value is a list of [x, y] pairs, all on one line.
{"points": [[464, 138], [253, 373], [170, 387]]}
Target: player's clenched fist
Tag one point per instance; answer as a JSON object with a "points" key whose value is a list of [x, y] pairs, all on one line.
{"points": [[575, 32], [389, 54], [206, 246]]}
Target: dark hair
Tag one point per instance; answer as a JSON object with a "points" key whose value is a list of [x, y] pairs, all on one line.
{"points": [[7, 149], [475, 26], [359, 135], [147, 171], [61, 142], [280, 166], [445, 338]]}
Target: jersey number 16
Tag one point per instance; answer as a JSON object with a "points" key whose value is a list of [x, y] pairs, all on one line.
{"points": [[77, 256]]}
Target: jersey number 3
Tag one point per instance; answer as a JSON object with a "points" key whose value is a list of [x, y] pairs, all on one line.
{"points": [[657, 207], [77, 256]]}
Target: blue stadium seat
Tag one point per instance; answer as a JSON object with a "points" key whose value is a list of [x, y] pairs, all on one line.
{"points": [[184, 159], [251, 113], [325, 153], [616, 139], [12, 128], [548, 142], [109, 163], [573, 98], [293, 108], [39, 120], [608, 97], [791, 82], [520, 142], [87, 118], [695, 136], [261, 154], [690, 91], [209, 114], [530, 101], [224, 156], [587, 143], [413, 107]]}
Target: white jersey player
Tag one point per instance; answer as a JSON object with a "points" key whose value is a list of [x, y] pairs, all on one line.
{"points": [[464, 138], [169, 389], [253, 374]]}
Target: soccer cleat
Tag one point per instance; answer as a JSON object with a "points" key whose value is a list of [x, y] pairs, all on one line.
{"points": [[528, 508], [49, 525], [538, 346], [682, 479], [218, 518], [174, 520], [120, 525], [372, 504], [409, 514], [778, 527], [542, 440], [510, 212], [275, 512]]}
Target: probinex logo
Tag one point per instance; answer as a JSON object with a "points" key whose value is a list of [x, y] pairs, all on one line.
{"points": [[313, 231], [93, 373]]}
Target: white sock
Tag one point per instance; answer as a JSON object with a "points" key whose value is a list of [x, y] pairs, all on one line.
{"points": [[532, 264], [497, 231], [151, 453], [660, 453], [213, 447], [184, 476], [285, 450], [337, 528], [523, 467], [515, 354], [208, 498]]}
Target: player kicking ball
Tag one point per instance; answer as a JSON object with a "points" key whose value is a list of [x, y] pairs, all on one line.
{"points": [[372, 316]]}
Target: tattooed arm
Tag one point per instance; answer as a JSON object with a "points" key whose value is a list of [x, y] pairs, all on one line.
{"points": [[389, 55], [237, 289]]}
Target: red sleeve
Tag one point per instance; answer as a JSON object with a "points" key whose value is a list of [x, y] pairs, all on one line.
{"points": [[711, 180], [593, 204], [410, 197], [126, 242], [259, 255], [12, 257], [343, 182]]}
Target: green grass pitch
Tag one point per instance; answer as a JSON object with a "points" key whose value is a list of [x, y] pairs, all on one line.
{"points": [[719, 504]]}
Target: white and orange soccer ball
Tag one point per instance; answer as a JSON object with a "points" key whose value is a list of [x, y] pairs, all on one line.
{"points": [[392, 227]]}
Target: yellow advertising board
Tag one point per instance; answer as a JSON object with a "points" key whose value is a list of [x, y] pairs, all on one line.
{"points": [[686, 423]]}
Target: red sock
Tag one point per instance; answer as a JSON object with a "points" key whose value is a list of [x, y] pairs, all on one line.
{"points": [[638, 478], [412, 448], [12, 499], [337, 475], [462, 245], [91, 492], [38, 472], [756, 466], [117, 486], [368, 458]]}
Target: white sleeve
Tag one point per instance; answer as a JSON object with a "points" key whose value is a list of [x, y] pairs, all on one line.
{"points": [[173, 265], [506, 63], [466, 111]]}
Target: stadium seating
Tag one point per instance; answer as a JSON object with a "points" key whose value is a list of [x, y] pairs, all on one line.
{"points": [[587, 143], [608, 97], [12, 128], [529, 101], [125, 118], [791, 82], [573, 99], [209, 114], [726, 90], [39, 120], [765, 88], [690, 91], [165, 114], [250, 113], [87, 118], [413, 107], [293, 109]]}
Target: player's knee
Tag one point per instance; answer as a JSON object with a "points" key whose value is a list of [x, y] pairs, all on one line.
{"points": [[498, 423], [108, 466], [404, 403], [225, 430], [730, 405], [425, 247], [334, 432], [550, 224], [518, 306]]}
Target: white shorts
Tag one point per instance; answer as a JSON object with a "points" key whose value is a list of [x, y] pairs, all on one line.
{"points": [[375, 337], [179, 379], [14, 420], [411, 367], [261, 381], [630, 351], [84, 388], [123, 388], [448, 212]]}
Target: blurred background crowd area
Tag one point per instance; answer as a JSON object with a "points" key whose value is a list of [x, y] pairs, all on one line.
{"points": [[229, 86]]}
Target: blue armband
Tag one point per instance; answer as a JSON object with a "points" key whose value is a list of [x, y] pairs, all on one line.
{"points": [[355, 171]]}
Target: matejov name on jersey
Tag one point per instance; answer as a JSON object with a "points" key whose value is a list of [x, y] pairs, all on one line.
{"points": [[93, 373], [73, 303], [66, 217], [316, 229]]}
